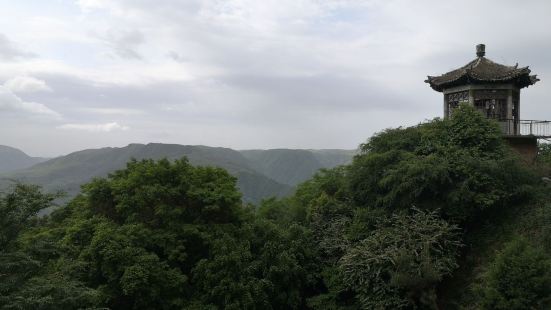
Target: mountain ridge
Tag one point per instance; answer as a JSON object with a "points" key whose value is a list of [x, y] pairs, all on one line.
{"points": [[258, 175], [12, 159]]}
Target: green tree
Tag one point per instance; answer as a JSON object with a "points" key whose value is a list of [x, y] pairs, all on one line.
{"points": [[543, 160], [456, 170], [402, 262], [18, 210], [166, 235], [519, 278], [26, 280], [141, 232], [544, 154], [459, 165], [381, 233]]}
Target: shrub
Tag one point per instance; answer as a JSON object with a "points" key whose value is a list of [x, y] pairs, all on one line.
{"points": [[519, 278], [459, 165], [399, 265]]}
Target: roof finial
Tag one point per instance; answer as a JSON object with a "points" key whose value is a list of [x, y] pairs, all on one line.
{"points": [[480, 50]]}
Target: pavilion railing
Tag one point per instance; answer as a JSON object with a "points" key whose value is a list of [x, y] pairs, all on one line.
{"points": [[535, 128]]}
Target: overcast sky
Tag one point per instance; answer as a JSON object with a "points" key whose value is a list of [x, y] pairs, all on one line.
{"points": [[246, 73]]}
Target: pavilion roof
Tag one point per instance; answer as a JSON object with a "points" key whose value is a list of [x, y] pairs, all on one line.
{"points": [[480, 71]]}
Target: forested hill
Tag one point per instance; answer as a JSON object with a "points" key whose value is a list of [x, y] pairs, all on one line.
{"points": [[442, 215], [13, 159], [292, 167], [257, 175]]}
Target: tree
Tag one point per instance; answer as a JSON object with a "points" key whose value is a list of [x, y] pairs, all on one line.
{"points": [[459, 165], [400, 263], [141, 232], [166, 235], [456, 172], [544, 154], [519, 278], [18, 212], [18, 209], [381, 233]]}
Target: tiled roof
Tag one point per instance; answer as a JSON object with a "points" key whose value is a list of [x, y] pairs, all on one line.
{"points": [[483, 70]]}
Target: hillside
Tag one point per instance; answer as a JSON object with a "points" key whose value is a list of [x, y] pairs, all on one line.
{"points": [[425, 217], [260, 173], [68, 172], [292, 167], [12, 159]]}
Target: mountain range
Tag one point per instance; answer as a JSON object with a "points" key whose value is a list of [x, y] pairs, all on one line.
{"points": [[14, 159], [260, 173]]}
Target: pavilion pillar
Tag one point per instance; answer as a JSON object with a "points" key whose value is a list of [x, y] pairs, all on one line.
{"points": [[510, 104]]}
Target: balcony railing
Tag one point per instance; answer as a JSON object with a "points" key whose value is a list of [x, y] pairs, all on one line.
{"points": [[539, 129]]}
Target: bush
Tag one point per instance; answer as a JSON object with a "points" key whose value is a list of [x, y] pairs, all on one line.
{"points": [[544, 153], [401, 263], [519, 278], [459, 165], [157, 235]]}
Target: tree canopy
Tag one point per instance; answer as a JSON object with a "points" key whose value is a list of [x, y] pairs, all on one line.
{"points": [[421, 214]]}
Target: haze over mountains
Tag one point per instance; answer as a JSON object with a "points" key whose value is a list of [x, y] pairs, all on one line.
{"points": [[260, 173], [13, 159]]}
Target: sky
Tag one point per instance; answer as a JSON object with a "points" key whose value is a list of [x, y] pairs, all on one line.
{"points": [[247, 74]]}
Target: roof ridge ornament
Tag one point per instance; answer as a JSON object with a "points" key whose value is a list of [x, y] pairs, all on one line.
{"points": [[480, 50]]}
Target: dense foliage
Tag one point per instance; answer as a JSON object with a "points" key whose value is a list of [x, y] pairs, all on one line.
{"points": [[519, 278], [161, 235], [461, 166], [440, 215], [406, 258], [544, 155]]}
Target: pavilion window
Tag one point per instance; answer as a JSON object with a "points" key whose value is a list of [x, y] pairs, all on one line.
{"points": [[455, 99], [491, 103]]}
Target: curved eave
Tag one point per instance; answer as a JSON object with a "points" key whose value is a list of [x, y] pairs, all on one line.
{"points": [[520, 80], [483, 71]]}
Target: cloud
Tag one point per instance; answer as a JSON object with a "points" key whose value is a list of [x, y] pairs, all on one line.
{"points": [[87, 5], [26, 84], [271, 73], [9, 51], [113, 111], [12, 103], [106, 127], [176, 57], [124, 43]]}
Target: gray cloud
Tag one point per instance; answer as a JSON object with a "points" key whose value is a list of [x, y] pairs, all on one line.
{"points": [[10, 102], [124, 43], [23, 84], [176, 56], [106, 127], [326, 92], [10, 51], [274, 73]]}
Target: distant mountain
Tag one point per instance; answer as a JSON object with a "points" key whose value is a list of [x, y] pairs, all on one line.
{"points": [[260, 173], [69, 172], [12, 159], [332, 157], [292, 167]]}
